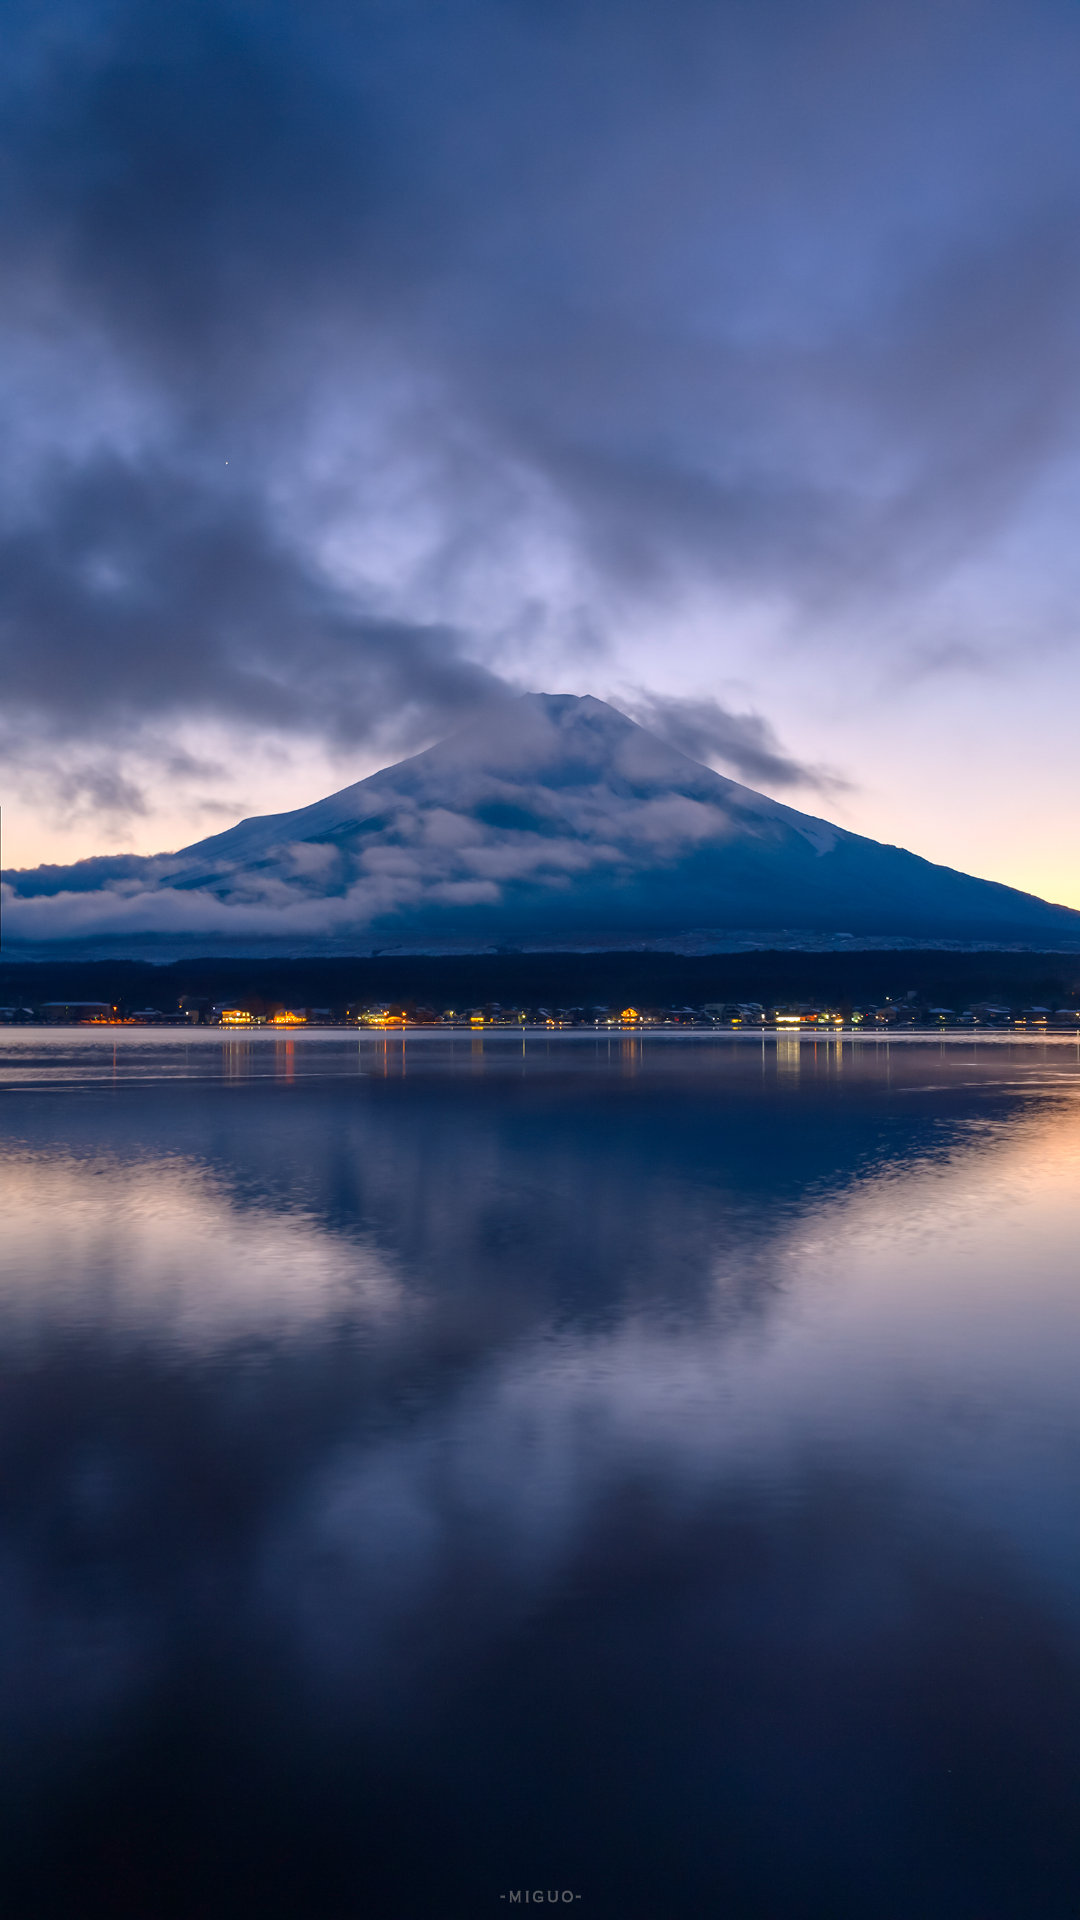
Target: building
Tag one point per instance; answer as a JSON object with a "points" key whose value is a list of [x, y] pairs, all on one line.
{"points": [[67, 1013]]}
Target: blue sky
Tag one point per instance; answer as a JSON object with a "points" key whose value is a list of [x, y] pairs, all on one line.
{"points": [[718, 359]]}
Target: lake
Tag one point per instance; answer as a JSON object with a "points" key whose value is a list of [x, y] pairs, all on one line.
{"points": [[445, 1474]]}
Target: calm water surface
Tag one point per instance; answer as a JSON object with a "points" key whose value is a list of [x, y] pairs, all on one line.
{"points": [[643, 1473]]}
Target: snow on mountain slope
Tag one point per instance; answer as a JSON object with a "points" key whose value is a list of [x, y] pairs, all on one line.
{"points": [[554, 783], [550, 820]]}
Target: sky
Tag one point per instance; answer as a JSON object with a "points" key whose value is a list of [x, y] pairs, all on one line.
{"points": [[718, 359]]}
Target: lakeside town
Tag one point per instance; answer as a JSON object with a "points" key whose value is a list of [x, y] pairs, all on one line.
{"points": [[907, 1012]]}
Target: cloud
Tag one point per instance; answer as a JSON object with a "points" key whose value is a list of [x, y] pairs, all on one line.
{"points": [[135, 593], [100, 789], [356, 357], [743, 742]]}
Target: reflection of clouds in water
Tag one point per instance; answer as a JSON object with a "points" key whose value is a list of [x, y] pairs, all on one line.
{"points": [[604, 1309], [160, 1247], [945, 1253]]}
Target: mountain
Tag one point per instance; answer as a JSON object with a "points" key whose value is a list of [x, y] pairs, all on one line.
{"points": [[552, 821]]}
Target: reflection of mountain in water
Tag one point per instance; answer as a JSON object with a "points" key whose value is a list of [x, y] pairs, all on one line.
{"points": [[487, 1496], [566, 1191], [375, 1236]]}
